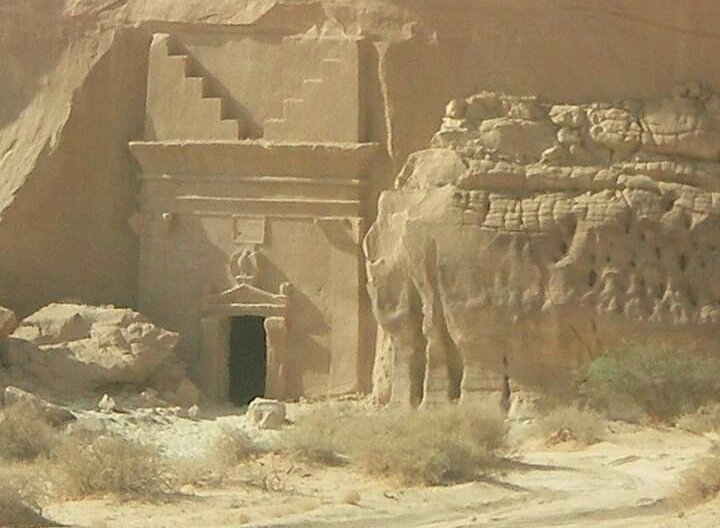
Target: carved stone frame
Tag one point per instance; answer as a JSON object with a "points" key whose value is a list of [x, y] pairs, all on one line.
{"points": [[244, 299]]}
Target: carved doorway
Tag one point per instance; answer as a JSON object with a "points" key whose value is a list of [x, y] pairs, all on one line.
{"points": [[247, 361], [244, 337]]}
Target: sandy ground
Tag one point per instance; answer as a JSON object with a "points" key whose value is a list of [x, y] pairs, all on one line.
{"points": [[621, 482]]}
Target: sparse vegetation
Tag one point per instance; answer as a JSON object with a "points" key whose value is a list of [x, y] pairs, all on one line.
{"points": [[704, 420], [25, 436], [17, 510], [351, 497], [699, 483], [317, 437], [232, 447], [20, 493], [430, 447], [109, 465], [664, 382], [585, 426]]}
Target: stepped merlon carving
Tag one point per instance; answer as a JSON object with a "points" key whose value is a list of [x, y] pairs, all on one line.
{"points": [[307, 117], [180, 90]]}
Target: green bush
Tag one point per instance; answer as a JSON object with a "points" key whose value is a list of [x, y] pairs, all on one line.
{"points": [[664, 382]]}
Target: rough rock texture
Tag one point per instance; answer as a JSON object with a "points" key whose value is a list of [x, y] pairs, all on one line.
{"points": [[71, 67], [75, 75], [8, 322], [69, 349], [267, 414], [533, 235], [36, 406]]}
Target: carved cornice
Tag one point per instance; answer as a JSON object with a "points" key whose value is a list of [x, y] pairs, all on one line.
{"points": [[254, 158]]}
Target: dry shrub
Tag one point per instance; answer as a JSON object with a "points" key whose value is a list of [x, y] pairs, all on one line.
{"points": [[704, 420], [699, 483], [582, 425], [18, 510], [109, 465], [437, 446], [315, 438], [24, 435], [20, 493], [664, 382], [351, 497], [232, 447], [268, 474]]}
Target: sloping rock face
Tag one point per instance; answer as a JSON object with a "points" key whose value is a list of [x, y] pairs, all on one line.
{"points": [[8, 322], [70, 349], [532, 236], [71, 67]]}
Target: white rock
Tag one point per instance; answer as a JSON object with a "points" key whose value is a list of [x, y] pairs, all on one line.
{"points": [[267, 414], [107, 404]]}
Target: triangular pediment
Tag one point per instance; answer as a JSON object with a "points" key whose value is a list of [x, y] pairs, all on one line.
{"points": [[247, 294]]}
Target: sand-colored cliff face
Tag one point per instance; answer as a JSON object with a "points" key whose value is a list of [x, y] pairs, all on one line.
{"points": [[534, 235], [75, 95], [74, 87]]}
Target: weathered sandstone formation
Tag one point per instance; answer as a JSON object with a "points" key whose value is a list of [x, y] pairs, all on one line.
{"points": [[70, 350], [531, 236], [149, 148]]}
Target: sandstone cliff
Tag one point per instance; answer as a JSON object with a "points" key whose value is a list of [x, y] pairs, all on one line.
{"points": [[74, 85], [533, 235]]}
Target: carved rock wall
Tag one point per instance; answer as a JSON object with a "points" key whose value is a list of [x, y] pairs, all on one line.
{"points": [[74, 75], [534, 235]]}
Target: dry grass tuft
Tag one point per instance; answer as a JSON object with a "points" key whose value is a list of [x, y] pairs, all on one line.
{"points": [[25, 436], [581, 425], [316, 437], [351, 497], [700, 483], [232, 447], [109, 465], [17, 510], [704, 420], [437, 446], [20, 493]]}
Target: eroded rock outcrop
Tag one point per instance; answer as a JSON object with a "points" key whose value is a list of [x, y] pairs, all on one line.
{"points": [[531, 236], [8, 322], [70, 349], [37, 407]]}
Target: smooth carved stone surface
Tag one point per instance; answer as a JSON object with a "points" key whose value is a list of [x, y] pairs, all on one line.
{"points": [[531, 236]]}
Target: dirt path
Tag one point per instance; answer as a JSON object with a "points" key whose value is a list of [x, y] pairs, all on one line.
{"points": [[622, 482]]}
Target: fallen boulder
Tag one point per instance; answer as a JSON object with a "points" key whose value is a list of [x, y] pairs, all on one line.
{"points": [[267, 414], [71, 349], [36, 406]]}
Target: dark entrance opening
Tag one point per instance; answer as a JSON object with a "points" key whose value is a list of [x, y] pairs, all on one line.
{"points": [[247, 359]]}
